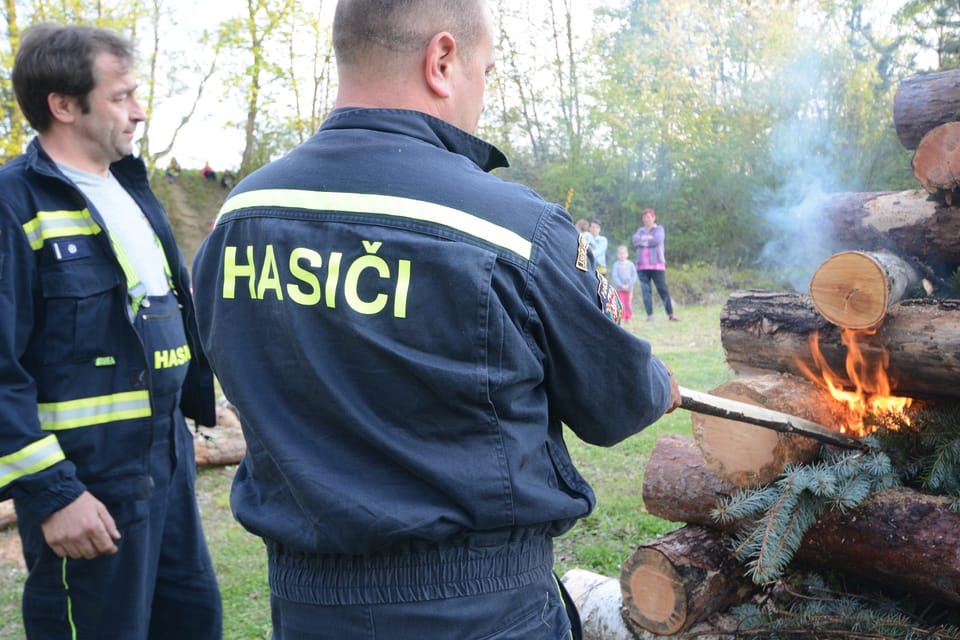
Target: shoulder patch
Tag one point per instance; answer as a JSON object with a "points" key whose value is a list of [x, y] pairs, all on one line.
{"points": [[582, 247], [609, 300]]}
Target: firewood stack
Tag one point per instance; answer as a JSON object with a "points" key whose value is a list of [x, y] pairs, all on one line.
{"points": [[885, 296]]}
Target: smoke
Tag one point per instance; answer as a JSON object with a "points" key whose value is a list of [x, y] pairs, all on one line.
{"points": [[803, 172]]}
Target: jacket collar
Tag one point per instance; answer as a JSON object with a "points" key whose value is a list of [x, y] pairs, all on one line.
{"points": [[38, 160], [421, 126]]}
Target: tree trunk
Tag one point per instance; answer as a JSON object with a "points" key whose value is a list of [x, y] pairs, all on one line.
{"points": [[899, 537], [854, 289], [677, 580], [936, 162], [906, 223], [918, 342], [923, 102], [748, 455]]}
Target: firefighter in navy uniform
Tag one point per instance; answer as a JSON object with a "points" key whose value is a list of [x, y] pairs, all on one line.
{"points": [[403, 335], [99, 362]]}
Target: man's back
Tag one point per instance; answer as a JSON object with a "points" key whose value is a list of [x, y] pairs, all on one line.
{"points": [[405, 343]]}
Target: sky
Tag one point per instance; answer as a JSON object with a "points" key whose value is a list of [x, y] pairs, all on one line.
{"points": [[206, 137]]}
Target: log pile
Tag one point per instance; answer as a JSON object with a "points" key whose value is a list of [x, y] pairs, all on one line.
{"points": [[882, 304]]}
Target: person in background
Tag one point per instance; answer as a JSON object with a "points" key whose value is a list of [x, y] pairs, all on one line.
{"points": [[209, 175], [172, 171], [403, 334], [598, 245], [624, 279], [583, 226], [652, 263], [99, 361]]}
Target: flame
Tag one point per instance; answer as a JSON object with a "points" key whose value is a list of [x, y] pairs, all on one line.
{"points": [[871, 394]]}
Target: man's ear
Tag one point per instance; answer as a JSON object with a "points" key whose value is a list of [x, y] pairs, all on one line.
{"points": [[62, 107], [438, 62]]}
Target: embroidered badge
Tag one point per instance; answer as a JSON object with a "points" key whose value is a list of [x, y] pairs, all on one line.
{"points": [[609, 300], [582, 247]]}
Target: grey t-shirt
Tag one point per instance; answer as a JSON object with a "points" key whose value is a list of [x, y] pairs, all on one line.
{"points": [[126, 224]]}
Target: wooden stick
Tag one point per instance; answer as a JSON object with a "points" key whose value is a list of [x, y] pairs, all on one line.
{"points": [[700, 402]]}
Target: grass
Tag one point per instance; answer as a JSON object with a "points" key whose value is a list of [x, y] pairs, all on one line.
{"points": [[599, 543]]}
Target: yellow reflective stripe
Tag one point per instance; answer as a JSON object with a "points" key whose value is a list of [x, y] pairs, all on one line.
{"points": [[382, 205], [86, 412], [66, 588], [58, 224], [34, 457], [136, 290]]}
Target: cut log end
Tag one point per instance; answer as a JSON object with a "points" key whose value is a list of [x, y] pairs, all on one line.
{"points": [[936, 162], [657, 598], [850, 290]]}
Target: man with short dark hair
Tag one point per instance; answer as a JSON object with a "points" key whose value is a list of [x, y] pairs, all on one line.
{"points": [[404, 336], [99, 361]]}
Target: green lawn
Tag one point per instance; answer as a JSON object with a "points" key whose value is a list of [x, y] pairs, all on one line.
{"points": [[691, 348]]}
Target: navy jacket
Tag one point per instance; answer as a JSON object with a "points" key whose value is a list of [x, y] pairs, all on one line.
{"points": [[75, 381], [404, 335]]}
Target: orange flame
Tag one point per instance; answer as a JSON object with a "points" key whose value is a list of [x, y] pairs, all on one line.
{"points": [[871, 393]]}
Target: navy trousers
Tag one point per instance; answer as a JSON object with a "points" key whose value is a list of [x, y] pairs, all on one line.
{"points": [[160, 585], [534, 612], [659, 280]]}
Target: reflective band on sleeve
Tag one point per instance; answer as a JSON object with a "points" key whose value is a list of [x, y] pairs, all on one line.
{"points": [[59, 224], [34, 457], [384, 206], [86, 412]]}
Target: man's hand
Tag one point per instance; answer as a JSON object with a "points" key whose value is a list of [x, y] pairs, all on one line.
{"points": [[82, 529], [674, 392]]}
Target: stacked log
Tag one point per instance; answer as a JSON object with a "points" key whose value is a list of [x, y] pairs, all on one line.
{"points": [[872, 299], [905, 539]]}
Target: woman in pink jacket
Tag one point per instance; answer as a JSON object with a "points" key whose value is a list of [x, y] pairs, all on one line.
{"points": [[651, 263]]}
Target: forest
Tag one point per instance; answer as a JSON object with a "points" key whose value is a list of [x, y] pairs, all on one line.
{"points": [[730, 118]]}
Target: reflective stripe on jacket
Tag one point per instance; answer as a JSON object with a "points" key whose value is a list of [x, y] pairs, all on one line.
{"points": [[75, 402]]}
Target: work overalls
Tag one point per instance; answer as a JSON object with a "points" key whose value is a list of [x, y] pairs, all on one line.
{"points": [[161, 582]]}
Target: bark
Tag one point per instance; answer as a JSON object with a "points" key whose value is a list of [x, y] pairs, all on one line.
{"points": [[918, 344], [906, 223], [923, 102], [748, 455], [854, 289], [902, 538], [936, 162], [677, 580]]}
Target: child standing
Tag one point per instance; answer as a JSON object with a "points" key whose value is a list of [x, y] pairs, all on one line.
{"points": [[624, 279]]}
